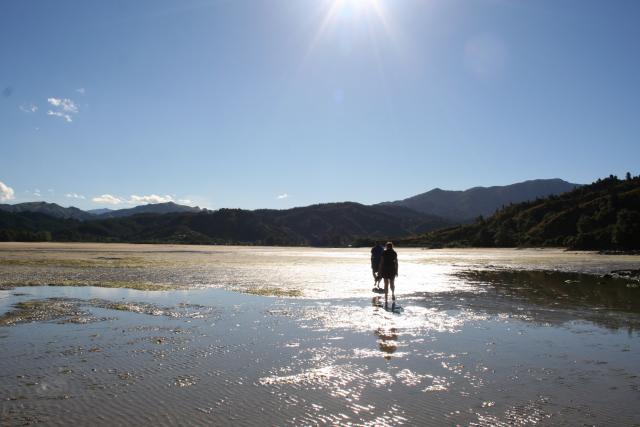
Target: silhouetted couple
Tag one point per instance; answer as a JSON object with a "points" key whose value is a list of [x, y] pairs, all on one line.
{"points": [[384, 265]]}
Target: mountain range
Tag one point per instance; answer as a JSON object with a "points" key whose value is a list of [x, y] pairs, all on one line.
{"points": [[451, 206], [327, 224], [601, 215], [155, 208], [50, 209], [57, 211], [331, 224], [467, 205]]}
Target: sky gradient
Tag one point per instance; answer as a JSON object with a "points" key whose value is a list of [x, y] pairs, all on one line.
{"points": [[277, 104]]}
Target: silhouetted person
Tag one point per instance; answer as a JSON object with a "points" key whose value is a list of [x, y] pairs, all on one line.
{"points": [[376, 254], [388, 269]]}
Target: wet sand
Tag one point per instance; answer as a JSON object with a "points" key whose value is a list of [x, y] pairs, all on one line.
{"points": [[478, 338]]}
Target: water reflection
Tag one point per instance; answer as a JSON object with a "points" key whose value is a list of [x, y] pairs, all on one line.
{"points": [[387, 336], [549, 296], [387, 341], [465, 346], [561, 289]]}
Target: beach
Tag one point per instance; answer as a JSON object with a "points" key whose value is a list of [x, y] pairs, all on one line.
{"points": [[106, 334]]}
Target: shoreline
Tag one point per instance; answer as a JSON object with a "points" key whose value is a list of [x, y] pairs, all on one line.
{"points": [[633, 252]]}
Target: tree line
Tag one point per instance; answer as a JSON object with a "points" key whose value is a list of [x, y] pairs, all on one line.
{"points": [[602, 215]]}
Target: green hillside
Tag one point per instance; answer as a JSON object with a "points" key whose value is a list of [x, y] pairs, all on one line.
{"points": [[331, 224], [602, 215]]}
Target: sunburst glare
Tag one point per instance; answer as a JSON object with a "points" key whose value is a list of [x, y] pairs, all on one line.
{"points": [[346, 18]]}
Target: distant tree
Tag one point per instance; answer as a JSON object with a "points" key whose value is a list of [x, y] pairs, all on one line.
{"points": [[628, 176], [504, 238], [7, 235], [586, 224], [483, 238], [613, 201], [44, 236], [626, 232]]}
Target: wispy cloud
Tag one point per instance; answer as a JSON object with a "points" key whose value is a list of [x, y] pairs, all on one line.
{"points": [[64, 108], [28, 108], [134, 199], [6, 192], [282, 196], [107, 199], [37, 193], [152, 198], [74, 196], [65, 104], [65, 116], [81, 90]]}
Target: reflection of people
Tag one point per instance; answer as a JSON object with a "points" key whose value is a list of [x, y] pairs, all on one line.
{"points": [[388, 269], [376, 254], [387, 335], [387, 341]]}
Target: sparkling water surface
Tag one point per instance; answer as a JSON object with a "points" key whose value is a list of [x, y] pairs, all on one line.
{"points": [[455, 349]]}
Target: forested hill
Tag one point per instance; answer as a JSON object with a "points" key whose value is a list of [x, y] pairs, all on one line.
{"points": [[331, 224], [602, 215], [153, 208], [57, 211], [465, 206], [50, 209]]}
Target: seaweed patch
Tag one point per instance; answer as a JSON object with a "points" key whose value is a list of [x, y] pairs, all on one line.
{"points": [[273, 292]]}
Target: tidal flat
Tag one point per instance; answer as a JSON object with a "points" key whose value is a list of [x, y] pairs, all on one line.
{"points": [[114, 334]]}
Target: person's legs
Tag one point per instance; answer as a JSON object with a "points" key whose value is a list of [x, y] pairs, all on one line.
{"points": [[393, 288], [386, 290]]}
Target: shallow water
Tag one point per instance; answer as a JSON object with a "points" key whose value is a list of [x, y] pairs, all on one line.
{"points": [[473, 340]]}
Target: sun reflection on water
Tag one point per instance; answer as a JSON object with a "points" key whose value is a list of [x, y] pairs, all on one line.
{"points": [[467, 349]]}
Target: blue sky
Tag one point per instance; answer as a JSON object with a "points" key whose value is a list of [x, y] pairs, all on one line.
{"points": [[287, 103]]}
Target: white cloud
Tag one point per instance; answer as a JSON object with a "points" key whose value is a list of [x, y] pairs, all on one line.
{"points": [[65, 104], [81, 90], [37, 193], [65, 108], [152, 198], [134, 199], [75, 196], [6, 192], [29, 108], [282, 196], [67, 117], [107, 199]]}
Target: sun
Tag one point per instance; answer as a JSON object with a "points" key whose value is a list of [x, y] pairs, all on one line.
{"points": [[370, 15], [355, 10], [357, 5]]}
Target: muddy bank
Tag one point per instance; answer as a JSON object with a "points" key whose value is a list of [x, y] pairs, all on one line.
{"points": [[140, 286], [72, 310]]}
